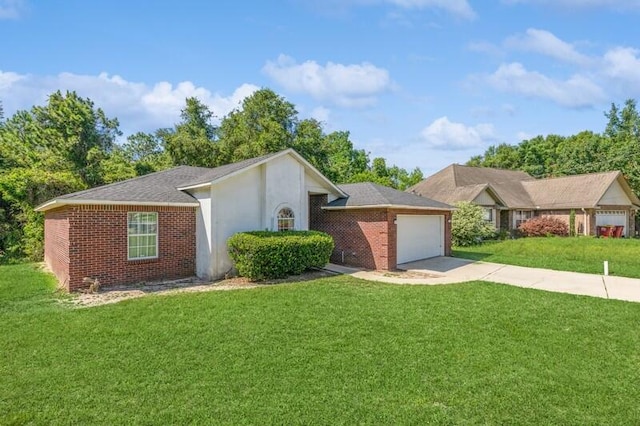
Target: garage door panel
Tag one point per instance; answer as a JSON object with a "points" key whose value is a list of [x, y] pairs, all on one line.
{"points": [[611, 217], [419, 237]]}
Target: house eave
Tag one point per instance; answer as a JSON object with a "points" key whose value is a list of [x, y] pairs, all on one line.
{"points": [[387, 206], [56, 203]]}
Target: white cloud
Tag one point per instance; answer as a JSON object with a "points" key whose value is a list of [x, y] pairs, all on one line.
{"points": [[623, 65], [460, 8], [575, 92], [12, 9], [448, 135], [137, 106], [546, 43], [355, 85]]}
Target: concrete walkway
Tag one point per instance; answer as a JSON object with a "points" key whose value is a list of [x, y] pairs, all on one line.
{"points": [[447, 270]]}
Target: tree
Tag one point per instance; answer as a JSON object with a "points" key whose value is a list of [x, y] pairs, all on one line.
{"points": [[145, 151], [265, 123], [192, 141], [343, 162], [63, 146], [65, 134]]}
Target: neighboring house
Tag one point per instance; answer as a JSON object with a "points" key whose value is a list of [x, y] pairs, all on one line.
{"points": [[175, 223], [511, 197]]}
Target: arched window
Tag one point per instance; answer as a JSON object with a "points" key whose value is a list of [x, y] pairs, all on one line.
{"points": [[286, 219]]}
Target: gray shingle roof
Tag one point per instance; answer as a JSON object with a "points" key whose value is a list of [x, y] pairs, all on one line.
{"points": [[576, 191], [459, 183], [159, 187], [369, 194], [216, 173], [164, 187], [518, 189]]}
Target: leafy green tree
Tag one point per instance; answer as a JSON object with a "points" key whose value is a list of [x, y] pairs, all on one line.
{"points": [[503, 156], [20, 190], [50, 150], [265, 123], [65, 134], [192, 141], [343, 161], [145, 151], [468, 226]]}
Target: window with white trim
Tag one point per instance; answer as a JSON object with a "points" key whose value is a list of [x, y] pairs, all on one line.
{"points": [[286, 219], [521, 216], [487, 214], [142, 235]]}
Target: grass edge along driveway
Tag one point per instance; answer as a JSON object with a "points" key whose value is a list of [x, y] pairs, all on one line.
{"points": [[577, 254], [336, 350]]}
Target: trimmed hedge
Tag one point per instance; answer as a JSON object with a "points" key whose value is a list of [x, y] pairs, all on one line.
{"points": [[260, 255], [544, 226]]}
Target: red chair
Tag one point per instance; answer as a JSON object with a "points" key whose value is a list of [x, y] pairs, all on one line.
{"points": [[618, 231]]}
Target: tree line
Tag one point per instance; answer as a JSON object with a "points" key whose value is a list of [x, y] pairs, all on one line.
{"points": [[616, 148], [69, 144]]}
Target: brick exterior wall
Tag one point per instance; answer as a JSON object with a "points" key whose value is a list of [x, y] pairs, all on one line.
{"points": [[365, 238], [96, 245], [56, 244], [590, 225]]}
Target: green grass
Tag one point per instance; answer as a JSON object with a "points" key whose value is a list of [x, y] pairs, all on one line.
{"points": [[579, 254], [331, 351]]}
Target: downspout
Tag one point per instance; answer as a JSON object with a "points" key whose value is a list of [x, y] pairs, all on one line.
{"points": [[584, 212]]}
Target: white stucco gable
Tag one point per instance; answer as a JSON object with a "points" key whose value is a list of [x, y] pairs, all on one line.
{"points": [[249, 200]]}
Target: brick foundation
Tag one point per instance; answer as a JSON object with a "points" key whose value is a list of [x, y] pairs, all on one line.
{"points": [[91, 241]]}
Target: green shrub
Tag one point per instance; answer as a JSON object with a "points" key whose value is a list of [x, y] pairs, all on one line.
{"points": [[468, 226], [262, 255]]}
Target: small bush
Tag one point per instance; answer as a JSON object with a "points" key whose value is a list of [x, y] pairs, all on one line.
{"points": [[468, 226], [263, 255], [544, 226]]}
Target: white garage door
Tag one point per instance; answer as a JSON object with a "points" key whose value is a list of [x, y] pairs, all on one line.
{"points": [[612, 217], [419, 237]]}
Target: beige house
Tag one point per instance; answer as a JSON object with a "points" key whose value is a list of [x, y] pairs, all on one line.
{"points": [[511, 197]]}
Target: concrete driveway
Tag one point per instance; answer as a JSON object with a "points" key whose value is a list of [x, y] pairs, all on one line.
{"points": [[446, 270]]}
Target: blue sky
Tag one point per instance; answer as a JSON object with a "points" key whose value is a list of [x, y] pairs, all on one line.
{"points": [[423, 83]]}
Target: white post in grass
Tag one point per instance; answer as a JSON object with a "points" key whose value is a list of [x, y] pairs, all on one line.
{"points": [[606, 267]]}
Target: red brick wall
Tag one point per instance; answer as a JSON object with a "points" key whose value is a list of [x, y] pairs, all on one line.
{"points": [[361, 236], [366, 237], [56, 244], [97, 245]]}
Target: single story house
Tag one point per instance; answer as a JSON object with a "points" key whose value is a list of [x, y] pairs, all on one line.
{"points": [[511, 197], [175, 223]]}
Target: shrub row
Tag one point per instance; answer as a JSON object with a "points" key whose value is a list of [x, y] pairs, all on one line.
{"points": [[543, 226], [262, 255]]}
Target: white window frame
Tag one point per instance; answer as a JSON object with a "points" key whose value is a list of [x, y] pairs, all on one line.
{"points": [[488, 211], [291, 218], [130, 216], [521, 216]]}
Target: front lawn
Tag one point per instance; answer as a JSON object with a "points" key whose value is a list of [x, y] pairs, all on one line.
{"points": [[331, 351], [580, 254]]}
